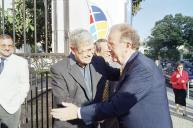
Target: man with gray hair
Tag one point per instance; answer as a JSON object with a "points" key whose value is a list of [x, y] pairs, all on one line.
{"points": [[76, 77]]}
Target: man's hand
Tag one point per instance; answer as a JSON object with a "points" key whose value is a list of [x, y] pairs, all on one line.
{"points": [[69, 112]]}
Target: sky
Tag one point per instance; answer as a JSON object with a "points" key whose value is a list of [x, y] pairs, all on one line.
{"points": [[155, 10]]}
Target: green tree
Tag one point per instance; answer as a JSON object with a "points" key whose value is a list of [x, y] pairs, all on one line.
{"points": [[18, 20], [170, 33], [136, 6]]}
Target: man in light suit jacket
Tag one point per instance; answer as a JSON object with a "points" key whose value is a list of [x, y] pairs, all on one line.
{"points": [[140, 101], [14, 83], [76, 77]]}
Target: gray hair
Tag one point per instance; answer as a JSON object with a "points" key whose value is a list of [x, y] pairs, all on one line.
{"points": [[80, 36], [127, 34], [98, 44]]}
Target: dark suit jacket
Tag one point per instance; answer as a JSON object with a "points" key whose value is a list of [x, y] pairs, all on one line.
{"points": [[69, 86], [141, 100]]}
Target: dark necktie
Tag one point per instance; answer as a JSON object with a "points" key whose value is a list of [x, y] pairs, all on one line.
{"points": [[2, 65], [105, 96]]}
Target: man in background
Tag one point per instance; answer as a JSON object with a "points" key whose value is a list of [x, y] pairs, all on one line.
{"points": [[101, 46], [14, 83], [107, 90], [102, 50]]}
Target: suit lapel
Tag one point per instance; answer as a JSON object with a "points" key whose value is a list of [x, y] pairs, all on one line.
{"points": [[121, 79], [75, 72], [127, 68]]}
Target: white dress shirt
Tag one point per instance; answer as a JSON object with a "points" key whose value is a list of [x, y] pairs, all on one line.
{"points": [[14, 83]]}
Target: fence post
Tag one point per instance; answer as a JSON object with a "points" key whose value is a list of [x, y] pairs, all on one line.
{"points": [[188, 90]]}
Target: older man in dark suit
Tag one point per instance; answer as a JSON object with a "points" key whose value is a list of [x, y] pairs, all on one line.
{"points": [[76, 77], [140, 101]]}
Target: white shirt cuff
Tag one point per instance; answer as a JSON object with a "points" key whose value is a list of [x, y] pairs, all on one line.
{"points": [[79, 114]]}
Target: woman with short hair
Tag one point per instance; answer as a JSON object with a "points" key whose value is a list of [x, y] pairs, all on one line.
{"points": [[179, 79]]}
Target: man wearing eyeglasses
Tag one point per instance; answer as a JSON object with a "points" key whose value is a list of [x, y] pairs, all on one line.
{"points": [[14, 83], [75, 78]]}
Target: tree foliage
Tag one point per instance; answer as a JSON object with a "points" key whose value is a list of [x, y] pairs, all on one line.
{"points": [[18, 21], [136, 6], [170, 33]]}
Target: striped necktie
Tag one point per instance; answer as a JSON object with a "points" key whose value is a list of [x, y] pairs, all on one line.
{"points": [[2, 65], [105, 95]]}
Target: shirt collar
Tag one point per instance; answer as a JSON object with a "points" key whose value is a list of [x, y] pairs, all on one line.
{"points": [[6, 59], [129, 58], [72, 59]]}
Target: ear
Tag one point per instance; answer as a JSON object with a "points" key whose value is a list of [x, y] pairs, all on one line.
{"points": [[129, 45], [73, 50]]}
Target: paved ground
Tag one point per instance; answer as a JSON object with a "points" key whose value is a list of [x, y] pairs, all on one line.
{"points": [[178, 120]]}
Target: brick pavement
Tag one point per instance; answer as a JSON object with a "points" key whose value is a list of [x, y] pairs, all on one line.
{"points": [[178, 120]]}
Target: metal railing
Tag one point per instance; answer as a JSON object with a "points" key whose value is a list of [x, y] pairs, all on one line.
{"points": [[34, 24], [31, 24], [188, 89], [36, 109]]}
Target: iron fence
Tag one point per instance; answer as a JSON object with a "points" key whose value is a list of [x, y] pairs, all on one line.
{"points": [[36, 109], [33, 24]]}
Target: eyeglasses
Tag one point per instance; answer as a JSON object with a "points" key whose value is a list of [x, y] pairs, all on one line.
{"points": [[180, 67], [3, 46]]}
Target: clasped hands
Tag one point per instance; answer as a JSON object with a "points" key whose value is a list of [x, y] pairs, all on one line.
{"points": [[69, 112]]}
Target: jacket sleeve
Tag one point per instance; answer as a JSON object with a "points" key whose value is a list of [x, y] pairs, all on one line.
{"points": [[59, 87], [24, 80], [173, 79], [132, 89], [105, 69]]}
